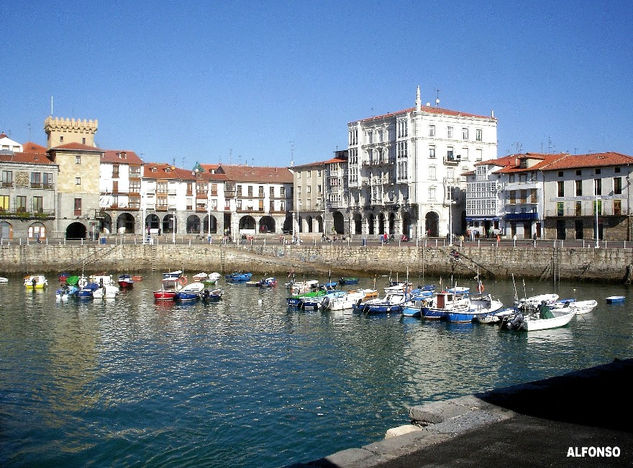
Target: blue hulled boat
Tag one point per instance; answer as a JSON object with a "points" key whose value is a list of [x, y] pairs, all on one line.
{"points": [[443, 303], [392, 302], [238, 277]]}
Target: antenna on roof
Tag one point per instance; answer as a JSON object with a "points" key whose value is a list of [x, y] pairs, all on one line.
{"points": [[51, 106], [292, 153], [230, 155]]}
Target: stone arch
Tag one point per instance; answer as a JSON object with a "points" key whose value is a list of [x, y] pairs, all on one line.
{"points": [[392, 223], [37, 232], [125, 223], [319, 221], [339, 222], [287, 227], [432, 224], [309, 223], [106, 223], [381, 223], [193, 224], [214, 224], [76, 231], [370, 224], [406, 223], [169, 224], [247, 224], [266, 224], [6, 230], [152, 221], [358, 224]]}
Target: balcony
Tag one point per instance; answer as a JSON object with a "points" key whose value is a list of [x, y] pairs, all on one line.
{"points": [[452, 160], [520, 216], [21, 213]]}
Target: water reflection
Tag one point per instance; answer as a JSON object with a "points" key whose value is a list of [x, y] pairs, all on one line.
{"points": [[246, 381]]}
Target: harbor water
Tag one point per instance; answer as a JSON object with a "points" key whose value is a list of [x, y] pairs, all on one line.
{"points": [[248, 382]]}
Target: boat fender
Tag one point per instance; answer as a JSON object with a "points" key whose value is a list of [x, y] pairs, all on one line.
{"points": [[183, 280], [326, 302]]}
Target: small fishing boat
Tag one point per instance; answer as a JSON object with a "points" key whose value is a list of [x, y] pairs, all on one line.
{"points": [[348, 300], [3, 280], [126, 281], [479, 306], [496, 317], [238, 277], [297, 299], [301, 287], [580, 307], [413, 307], [443, 303], [165, 294], [106, 291], [459, 290], [211, 296], [615, 299], [347, 280], [86, 292], [267, 282], [544, 319], [398, 286], [533, 302], [35, 282], [66, 292], [190, 292], [392, 302]]}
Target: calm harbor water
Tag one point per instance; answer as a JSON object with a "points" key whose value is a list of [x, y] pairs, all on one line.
{"points": [[247, 382]]}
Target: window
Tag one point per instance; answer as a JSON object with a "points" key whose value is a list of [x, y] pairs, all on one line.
{"points": [[479, 134], [432, 193], [578, 172], [617, 185], [617, 170], [479, 154], [560, 174], [560, 209], [48, 180], [77, 159], [561, 188], [598, 171], [83, 141], [598, 204], [7, 178], [4, 203], [20, 203], [115, 170], [432, 172], [513, 197], [617, 207], [449, 132], [578, 188], [464, 133], [432, 151], [38, 204], [431, 130], [578, 208], [261, 191], [449, 153], [77, 180], [61, 138], [598, 186]]}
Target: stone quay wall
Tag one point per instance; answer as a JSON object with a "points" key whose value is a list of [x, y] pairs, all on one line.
{"points": [[604, 264]]}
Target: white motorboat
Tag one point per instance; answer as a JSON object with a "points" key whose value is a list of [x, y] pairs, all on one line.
{"points": [[544, 319]]}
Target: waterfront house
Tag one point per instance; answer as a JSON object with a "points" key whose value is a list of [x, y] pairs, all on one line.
{"points": [[405, 168]]}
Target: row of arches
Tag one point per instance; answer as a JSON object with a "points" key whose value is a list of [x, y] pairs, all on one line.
{"points": [[391, 223]]}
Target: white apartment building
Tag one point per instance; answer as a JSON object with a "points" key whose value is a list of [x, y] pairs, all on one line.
{"points": [[405, 169]]}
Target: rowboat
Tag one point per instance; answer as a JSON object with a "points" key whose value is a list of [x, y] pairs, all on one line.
{"points": [[392, 302], [191, 292], [479, 306], [126, 281], [211, 296], [615, 299], [238, 277]]}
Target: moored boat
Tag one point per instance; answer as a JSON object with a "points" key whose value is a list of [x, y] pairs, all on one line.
{"points": [[66, 292], [190, 292], [391, 303], [347, 280], [125, 281], [348, 300], [615, 299], [211, 296], [35, 282], [267, 282], [443, 303], [544, 318], [301, 287], [238, 277], [580, 307], [478, 306]]}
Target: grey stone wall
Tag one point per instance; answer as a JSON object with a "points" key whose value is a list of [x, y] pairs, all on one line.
{"points": [[566, 263]]}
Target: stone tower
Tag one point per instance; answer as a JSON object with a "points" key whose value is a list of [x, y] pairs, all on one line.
{"points": [[62, 131]]}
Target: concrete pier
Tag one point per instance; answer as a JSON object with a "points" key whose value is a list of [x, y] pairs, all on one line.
{"points": [[578, 419]]}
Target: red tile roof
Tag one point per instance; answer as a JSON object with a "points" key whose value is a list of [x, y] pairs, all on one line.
{"points": [[573, 161], [30, 147], [121, 157], [166, 171], [264, 175], [77, 146], [321, 163], [210, 167], [429, 110], [26, 157], [556, 162]]}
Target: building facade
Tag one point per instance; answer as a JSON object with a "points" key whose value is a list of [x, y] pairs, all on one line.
{"points": [[405, 169]]}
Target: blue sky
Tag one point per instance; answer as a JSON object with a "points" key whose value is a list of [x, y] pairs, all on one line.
{"points": [[253, 81]]}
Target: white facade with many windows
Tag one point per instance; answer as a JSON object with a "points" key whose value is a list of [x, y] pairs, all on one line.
{"points": [[405, 169]]}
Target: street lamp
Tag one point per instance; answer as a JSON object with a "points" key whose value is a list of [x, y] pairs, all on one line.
{"points": [[596, 210], [173, 227]]}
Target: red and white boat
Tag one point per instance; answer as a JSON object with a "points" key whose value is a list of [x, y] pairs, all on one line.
{"points": [[125, 281], [165, 295]]}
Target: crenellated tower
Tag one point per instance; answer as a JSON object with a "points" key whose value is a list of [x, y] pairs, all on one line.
{"points": [[61, 131]]}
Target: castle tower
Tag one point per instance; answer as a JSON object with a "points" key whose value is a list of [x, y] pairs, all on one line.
{"points": [[61, 131]]}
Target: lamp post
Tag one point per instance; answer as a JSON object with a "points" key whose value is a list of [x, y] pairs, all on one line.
{"points": [[596, 210], [450, 215], [173, 227]]}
